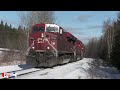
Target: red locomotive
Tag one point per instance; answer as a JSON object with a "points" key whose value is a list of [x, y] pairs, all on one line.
{"points": [[50, 45]]}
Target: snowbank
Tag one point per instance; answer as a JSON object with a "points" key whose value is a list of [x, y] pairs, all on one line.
{"points": [[84, 69], [0, 53], [13, 68]]}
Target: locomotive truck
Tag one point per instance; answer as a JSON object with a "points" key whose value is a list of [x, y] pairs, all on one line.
{"points": [[50, 45]]}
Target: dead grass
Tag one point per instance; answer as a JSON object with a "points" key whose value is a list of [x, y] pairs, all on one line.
{"points": [[12, 58]]}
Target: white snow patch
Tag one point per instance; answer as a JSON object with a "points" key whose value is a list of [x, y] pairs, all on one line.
{"points": [[1, 54], [76, 70], [83, 69], [13, 68], [4, 49]]}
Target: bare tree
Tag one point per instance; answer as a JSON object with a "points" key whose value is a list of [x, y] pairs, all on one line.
{"points": [[92, 48], [29, 18], [108, 30], [42, 17]]}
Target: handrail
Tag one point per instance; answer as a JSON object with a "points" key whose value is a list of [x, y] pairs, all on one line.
{"points": [[52, 46], [27, 51]]}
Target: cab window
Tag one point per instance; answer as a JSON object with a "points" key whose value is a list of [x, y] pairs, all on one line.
{"points": [[51, 29], [37, 29]]}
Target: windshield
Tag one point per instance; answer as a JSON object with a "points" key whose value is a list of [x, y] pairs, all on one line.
{"points": [[51, 29], [37, 29]]}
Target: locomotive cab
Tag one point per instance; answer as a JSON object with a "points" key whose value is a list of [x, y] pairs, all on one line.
{"points": [[36, 36], [42, 32]]}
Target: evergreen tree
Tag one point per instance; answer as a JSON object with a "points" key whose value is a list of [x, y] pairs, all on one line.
{"points": [[1, 25], [14, 29], [1, 22], [24, 29], [10, 26], [20, 27], [6, 26], [115, 55]]}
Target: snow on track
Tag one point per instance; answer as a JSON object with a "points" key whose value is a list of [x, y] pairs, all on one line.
{"points": [[83, 69], [76, 70], [19, 71], [14, 68], [67, 71]]}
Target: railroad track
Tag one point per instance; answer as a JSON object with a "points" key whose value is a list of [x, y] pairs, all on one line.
{"points": [[25, 71], [21, 72]]}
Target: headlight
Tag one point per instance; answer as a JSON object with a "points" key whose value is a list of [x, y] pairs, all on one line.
{"points": [[42, 35], [33, 47], [48, 47], [53, 43]]}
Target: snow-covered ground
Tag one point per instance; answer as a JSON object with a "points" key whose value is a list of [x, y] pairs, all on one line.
{"points": [[14, 68], [84, 69], [6, 49], [1, 53]]}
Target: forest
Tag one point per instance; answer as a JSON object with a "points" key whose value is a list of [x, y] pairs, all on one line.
{"points": [[107, 47], [12, 38]]}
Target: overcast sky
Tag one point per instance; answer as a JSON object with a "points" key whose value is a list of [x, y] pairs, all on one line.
{"points": [[82, 24]]}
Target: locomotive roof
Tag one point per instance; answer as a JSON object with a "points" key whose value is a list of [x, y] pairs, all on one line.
{"points": [[47, 24], [52, 25]]}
